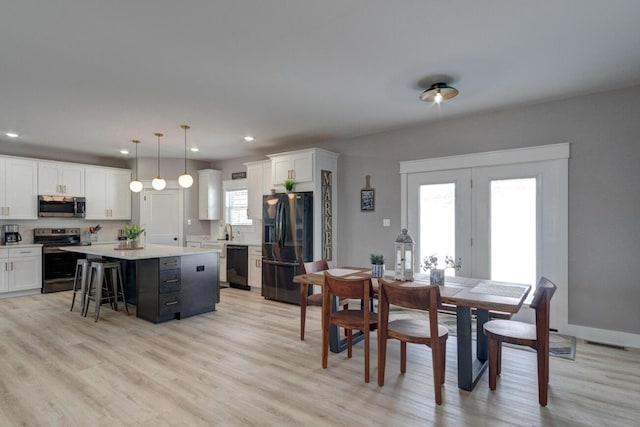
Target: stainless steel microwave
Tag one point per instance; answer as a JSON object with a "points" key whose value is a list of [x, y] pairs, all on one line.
{"points": [[61, 206]]}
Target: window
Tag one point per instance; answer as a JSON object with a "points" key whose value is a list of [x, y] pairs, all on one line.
{"points": [[236, 203]]}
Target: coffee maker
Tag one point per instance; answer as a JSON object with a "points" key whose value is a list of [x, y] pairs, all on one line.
{"points": [[11, 234]]}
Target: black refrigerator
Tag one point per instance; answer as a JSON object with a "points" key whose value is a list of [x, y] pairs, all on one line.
{"points": [[287, 242]]}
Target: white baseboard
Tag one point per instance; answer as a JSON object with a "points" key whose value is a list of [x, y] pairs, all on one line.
{"points": [[604, 336]]}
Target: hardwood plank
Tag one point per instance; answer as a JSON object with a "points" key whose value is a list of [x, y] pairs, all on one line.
{"points": [[244, 364]]}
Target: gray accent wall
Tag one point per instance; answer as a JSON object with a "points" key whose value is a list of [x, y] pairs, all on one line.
{"points": [[604, 190]]}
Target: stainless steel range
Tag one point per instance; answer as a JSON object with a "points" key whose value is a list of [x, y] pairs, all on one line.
{"points": [[58, 266]]}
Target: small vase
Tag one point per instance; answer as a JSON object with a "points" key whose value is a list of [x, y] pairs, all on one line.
{"points": [[133, 243], [437, 276], [377, 270]]}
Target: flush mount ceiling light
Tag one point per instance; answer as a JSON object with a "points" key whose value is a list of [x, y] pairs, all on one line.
{"points": [[185, 180], [136, 185], [249, 138], [12, 134], [438, 92], [158, 183]]}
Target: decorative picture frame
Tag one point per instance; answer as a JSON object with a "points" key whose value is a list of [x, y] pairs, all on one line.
{"points": [[367, 199]]}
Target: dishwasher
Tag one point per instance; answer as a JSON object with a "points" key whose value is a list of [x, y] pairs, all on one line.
{"points": [[238, 266]]}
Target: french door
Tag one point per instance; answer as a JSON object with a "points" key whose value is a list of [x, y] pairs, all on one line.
{"points": [[506, 222]]}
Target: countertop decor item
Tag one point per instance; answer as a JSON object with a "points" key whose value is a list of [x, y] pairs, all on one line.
{"points": [[289, 184], [133, 232], [404, 257], [377, 265], [437, 274]]}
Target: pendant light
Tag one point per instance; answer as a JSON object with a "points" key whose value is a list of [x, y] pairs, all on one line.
{"points": [[136, 185], [185, 180], [158, 183]]}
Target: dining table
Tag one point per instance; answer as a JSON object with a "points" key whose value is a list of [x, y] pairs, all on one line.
{"points": [[466, 294]]}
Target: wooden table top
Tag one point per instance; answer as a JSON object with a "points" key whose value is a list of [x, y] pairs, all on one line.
{"points": [[463, 291]]}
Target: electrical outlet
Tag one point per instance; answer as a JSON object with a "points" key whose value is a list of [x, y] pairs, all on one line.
{"points": [[386, 222]]}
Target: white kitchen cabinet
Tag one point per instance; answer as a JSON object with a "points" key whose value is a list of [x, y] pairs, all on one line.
{"points": [[258, 185], [108, 195], [21, 269], [60, 179], [255, 267], [297, 165], [223, 257], [209, 194], [18, 188]]}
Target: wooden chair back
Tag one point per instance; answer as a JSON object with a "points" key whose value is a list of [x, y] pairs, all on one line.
{"points": [[314, 266], [352, 288], [409, 296], [541, 303]]}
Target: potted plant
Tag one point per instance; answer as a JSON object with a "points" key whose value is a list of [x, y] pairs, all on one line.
{"points": [[377, 265], [289, 184], [133, 232], [436, 274]]}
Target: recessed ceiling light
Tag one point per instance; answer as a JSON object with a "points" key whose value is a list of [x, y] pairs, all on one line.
{"points": [[124, 151], [249, 138], [12, 134], [194, 149]]}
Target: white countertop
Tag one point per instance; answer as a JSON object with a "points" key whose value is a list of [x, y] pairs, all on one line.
{"points": [[149, 251]]}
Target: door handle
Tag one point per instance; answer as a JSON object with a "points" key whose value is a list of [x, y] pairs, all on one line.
{"points": [[175, 238]]}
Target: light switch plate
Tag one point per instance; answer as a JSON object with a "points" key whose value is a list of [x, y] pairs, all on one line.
{"points": [[386, 222]]}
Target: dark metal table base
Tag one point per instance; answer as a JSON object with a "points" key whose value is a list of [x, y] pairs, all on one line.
{"points": [[470, 369]]}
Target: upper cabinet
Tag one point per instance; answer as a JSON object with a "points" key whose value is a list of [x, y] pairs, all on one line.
{"points": [[18, 188], [108, 196], [297, 165], [258, 185], [60, 179], [209, 194]]}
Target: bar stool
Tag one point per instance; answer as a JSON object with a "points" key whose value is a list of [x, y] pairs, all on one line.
{"points": [[105, 276], [80, 282]]}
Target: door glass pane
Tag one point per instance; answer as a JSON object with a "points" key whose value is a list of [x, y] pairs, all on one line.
{"points": [[437, 223], [513, 230]]}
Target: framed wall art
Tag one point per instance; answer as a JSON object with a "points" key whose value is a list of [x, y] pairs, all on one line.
{"points": [[367, 196]]}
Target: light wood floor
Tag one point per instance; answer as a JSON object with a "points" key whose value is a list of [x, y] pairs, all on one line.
{"points": [[245, 365]]}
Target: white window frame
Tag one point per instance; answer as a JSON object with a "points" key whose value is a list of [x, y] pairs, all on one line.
{"points": [[235, 185]]}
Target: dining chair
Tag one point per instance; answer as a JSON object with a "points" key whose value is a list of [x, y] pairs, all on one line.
{"points": [[417, 331], [520, 333], [313, 299], [362, 319]]}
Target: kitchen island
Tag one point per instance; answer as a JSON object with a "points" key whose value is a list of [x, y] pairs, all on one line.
{"points": [[168, 282]]}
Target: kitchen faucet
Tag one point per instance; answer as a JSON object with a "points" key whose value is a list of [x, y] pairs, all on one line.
{"points": [[230, 230]]}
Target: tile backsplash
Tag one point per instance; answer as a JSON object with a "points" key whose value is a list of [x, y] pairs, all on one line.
{"points": [[109, 230]]}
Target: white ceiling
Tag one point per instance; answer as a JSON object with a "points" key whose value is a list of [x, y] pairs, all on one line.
{"points": [[91, 75]]}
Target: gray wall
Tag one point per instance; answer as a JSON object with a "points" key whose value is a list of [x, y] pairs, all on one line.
{"points": [[604, 195]]}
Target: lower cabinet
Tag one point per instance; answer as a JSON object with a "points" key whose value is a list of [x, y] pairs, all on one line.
{"points": [[255, 267], [20, 269], [176, 287]]}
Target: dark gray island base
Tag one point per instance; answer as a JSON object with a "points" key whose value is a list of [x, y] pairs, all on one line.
{"points": [[169, 282], [176, 287]]}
